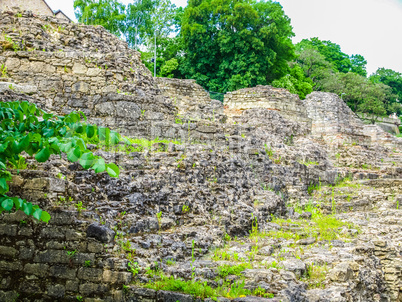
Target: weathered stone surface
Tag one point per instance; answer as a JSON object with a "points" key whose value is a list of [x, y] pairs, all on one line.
{"points": [[100, 232]]}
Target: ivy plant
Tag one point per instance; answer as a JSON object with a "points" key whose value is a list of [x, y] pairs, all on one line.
{"points": [[26, 128]]}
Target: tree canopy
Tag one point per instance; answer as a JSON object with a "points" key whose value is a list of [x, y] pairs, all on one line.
{"points": [[234, 44]]}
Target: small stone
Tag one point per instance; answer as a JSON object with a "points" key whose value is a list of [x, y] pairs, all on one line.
{"points": [[341, 272], [306, 241]]}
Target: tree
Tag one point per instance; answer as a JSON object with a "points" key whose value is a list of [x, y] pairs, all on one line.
{"points": [[108, 13], [340, 61], [394, 80], [234, 44], [26, 128], [138, 22], [295, 82], [314, 66]]}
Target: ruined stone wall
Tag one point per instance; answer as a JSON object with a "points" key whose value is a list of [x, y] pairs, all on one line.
{"points": [[36, 6], [67, 67], [390, 125], [287, 104], [67, 258], [333, 120], [191, 100]]}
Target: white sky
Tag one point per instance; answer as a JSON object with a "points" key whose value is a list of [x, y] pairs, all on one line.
{"points": [[372, 28]]}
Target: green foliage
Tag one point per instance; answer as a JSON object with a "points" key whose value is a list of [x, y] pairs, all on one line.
{"points": [[339, 61], [108, 13], [169, 67], [226, 269], [133, 268], [26, 128], [392, 79], [201, 289], [295, 82], [234, 44]]}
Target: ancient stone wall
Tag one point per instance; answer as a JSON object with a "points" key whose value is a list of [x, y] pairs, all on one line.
{"points": [[75, 67], [39, 7], [287, 104], [390, 125], [191, 100], [334, 121], [59, 261]]}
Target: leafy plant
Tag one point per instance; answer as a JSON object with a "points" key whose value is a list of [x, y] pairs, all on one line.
{"points": [[26, 128], [3, 71], [87, 263], [133, 268], [79, 207]]}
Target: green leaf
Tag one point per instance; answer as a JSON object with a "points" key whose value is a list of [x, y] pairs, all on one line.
{"points": [[104, 133], [87, 160], [112, 170], [27, 208], [37, 214], [114, 137], [3, 185], [90, 130], [7, 204], [74, 154], [18, 203], [66, 147], [3, 147], [43, 155], [48, 132], [45, 216], [99, 165]]}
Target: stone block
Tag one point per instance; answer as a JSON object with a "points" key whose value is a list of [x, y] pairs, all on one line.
{"points": [[8, 251], [341, 272], [165, 296], [8, 229], [90, 274], [37, 269], [52, 256], [88, 289], [63, 272], [56, 290], [95, 247], [10, 266], [26, 253], [79, 68], [117, 277], [52, 233], [72, 285]]}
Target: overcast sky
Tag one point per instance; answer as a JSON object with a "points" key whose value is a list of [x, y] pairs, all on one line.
{"points": [[372, 28]]}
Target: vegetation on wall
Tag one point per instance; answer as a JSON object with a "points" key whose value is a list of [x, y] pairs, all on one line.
{"points": [[26, 129]]}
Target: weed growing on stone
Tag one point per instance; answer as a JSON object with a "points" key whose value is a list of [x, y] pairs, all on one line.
{"points": [[202, 290], [315, 276], [3, 71], [87, 263], [79, 206], [133, 268]]}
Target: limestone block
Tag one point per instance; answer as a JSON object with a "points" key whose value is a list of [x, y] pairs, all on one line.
{"points": [[341, 272], [79, 68], [12, 64], [81, 87], [37, 269], [90, 274], [63, 272], [8, 252]]}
